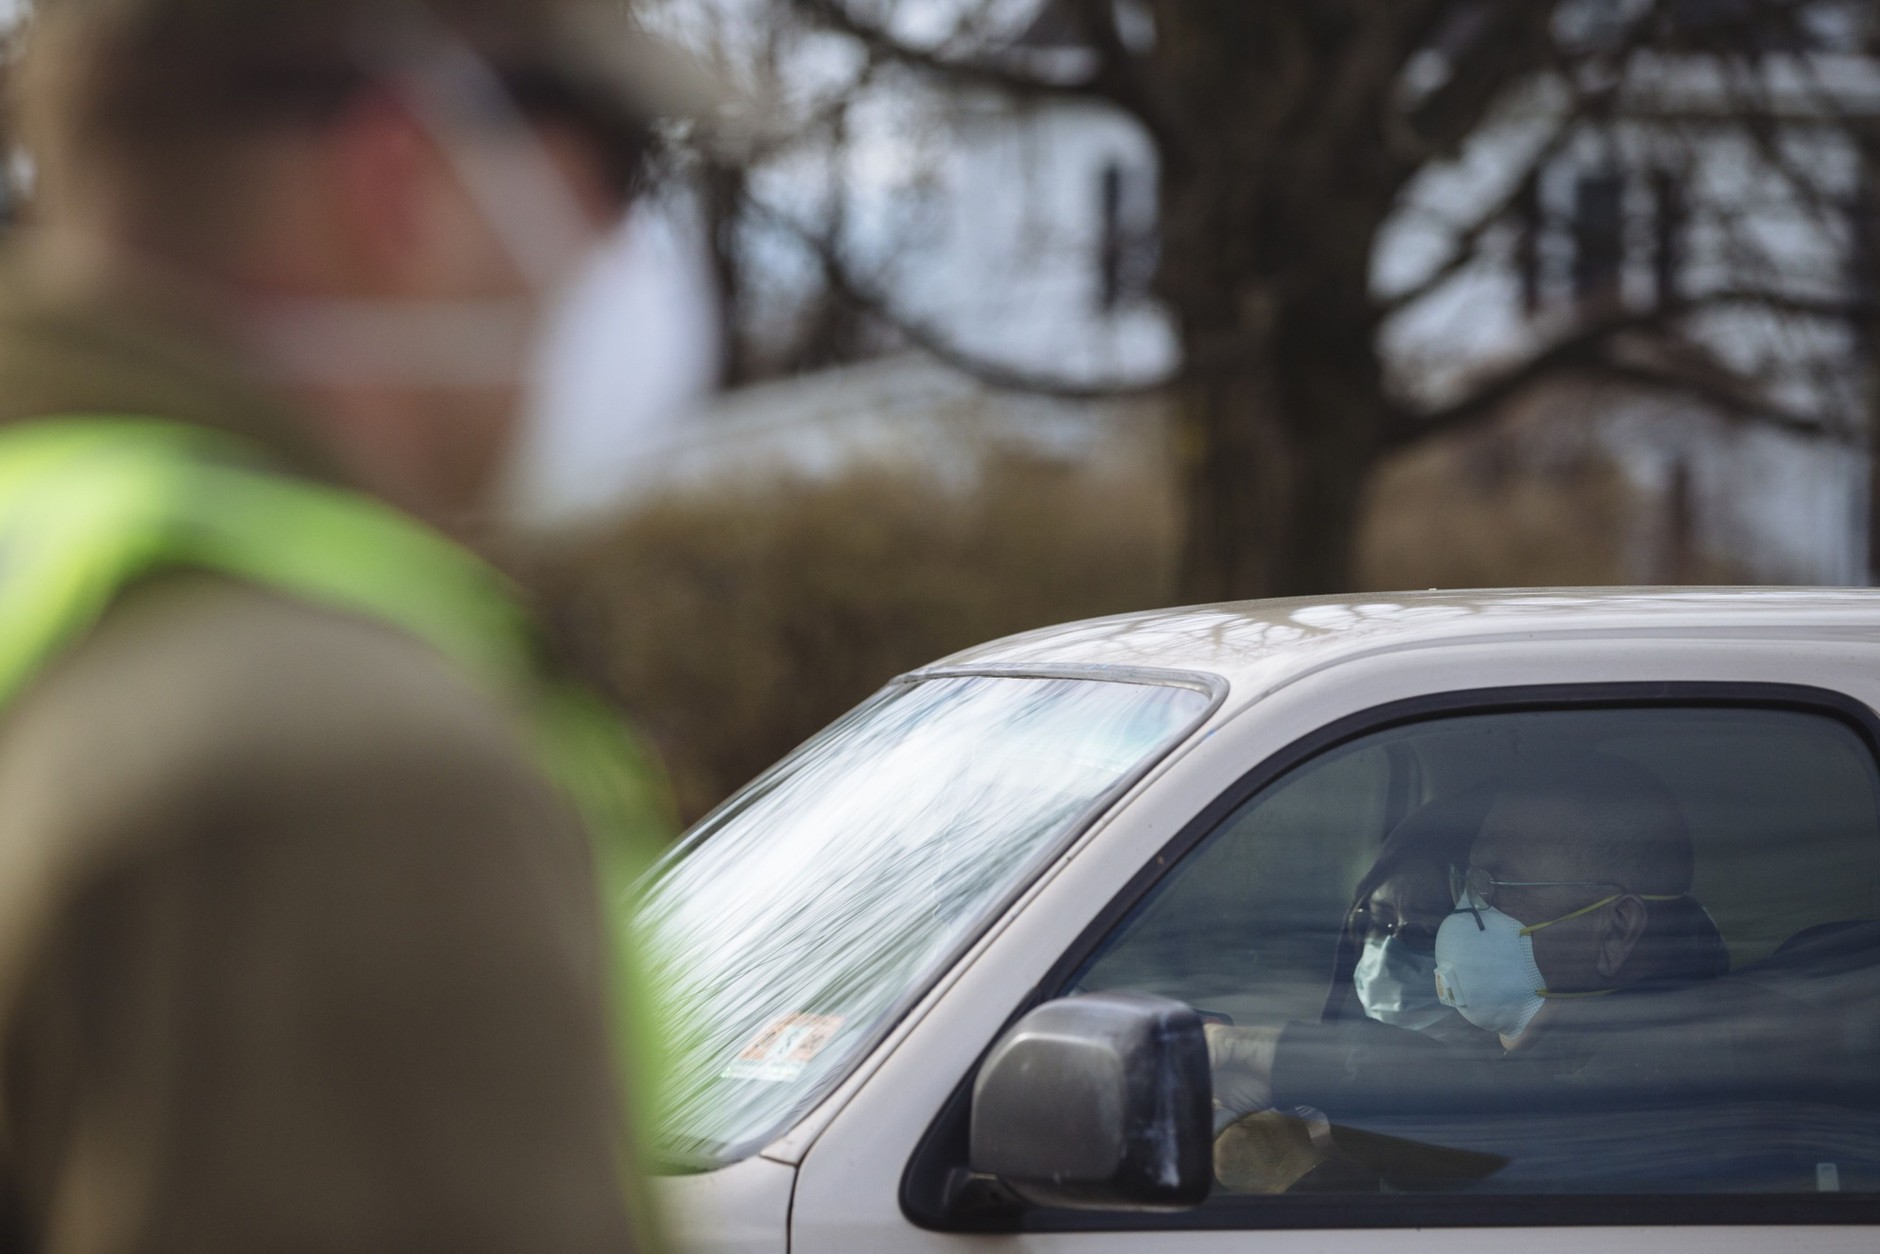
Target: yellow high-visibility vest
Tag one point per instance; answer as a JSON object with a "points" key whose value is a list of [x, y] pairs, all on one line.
{"points": [[89, 505]]}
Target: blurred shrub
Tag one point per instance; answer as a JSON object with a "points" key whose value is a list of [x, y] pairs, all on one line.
{"points": [[737, 620], [1531, 502], [1494, 511]]}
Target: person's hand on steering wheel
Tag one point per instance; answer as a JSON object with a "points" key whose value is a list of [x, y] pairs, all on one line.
{"points": [[1242, 1062]]}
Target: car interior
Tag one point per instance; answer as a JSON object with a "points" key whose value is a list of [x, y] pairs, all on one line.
{"points": [[1755, 1073]]}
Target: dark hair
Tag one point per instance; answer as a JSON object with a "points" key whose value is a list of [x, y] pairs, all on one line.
{"points": [[1439, 833]]}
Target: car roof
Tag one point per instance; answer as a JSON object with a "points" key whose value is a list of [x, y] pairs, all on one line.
{"points": [[1257, 645]]}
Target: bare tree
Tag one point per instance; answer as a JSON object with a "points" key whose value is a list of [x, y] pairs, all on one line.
{"points": [[1292, 134]]}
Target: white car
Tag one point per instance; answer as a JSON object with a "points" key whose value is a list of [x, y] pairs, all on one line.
{"points": [[1472, 922]]}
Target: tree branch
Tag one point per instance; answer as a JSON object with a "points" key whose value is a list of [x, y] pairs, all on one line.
{"points": [[1512, 42], [1860, 311], [1864, 132], [1120, 80], [1469, 238], [836, 16], [1585, 106], [1726, 401], [1588, 350], [941, 347], [1364, 83], [1581, 349]]}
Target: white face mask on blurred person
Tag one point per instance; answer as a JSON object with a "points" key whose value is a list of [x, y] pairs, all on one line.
{"points": [[628, 353], [613, 338], [1397, 985], [627, 340]]}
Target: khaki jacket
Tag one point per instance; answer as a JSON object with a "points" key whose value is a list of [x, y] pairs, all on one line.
{"points": [[297, 949]]}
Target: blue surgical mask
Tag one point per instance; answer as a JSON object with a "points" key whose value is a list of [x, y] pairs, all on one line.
{"points": [[1397, 985]]}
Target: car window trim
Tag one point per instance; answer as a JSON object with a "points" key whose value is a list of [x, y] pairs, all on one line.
{"points": [[940, 1154], [1214, 687]]}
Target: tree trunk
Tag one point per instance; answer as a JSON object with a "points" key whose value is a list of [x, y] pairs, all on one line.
{"points": [[1268, 230], [722, 192], [1285, 416], [1276, 450]]}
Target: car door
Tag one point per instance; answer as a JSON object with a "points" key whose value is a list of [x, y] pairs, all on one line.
{"points": [[1726, 1077]]}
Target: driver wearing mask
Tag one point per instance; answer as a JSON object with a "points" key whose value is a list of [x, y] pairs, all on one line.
{"points": [[1383, 987], [1395, 977], [1386, 966], [1573, 944]]}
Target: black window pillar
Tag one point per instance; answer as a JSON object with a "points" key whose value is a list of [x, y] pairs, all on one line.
{"points": [[1112, 246], [1598, 235]]}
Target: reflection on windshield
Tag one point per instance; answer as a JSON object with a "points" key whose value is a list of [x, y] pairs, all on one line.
{"points": [[797, 921]]}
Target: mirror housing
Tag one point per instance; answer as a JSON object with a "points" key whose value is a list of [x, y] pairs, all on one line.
{"points": [[1099, 1102]]}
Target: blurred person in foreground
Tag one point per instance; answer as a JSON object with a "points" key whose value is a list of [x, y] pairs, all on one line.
{"points": [[299, 938]]}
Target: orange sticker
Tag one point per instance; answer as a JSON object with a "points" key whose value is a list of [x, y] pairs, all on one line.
{"points": [[784, 1049]]}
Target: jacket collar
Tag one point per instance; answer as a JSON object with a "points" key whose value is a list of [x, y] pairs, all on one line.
{"points": [[133, 350]]}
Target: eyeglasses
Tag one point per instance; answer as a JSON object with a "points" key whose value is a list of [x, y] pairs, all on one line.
{"points": [[1474, 883], [1420, 937]]}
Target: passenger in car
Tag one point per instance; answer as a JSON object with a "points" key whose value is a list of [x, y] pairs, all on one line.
{"points": [[1556, 903]]}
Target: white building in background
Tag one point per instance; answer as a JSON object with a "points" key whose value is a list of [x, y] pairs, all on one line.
{"points": [[894, 412], [1673, 202], [1037, 250], [1043, 246]]}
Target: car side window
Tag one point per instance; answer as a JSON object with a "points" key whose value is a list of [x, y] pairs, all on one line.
{"points": [[1579, 951]]}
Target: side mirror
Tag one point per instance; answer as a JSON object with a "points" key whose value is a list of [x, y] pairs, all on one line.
{"points": [[1099, 1102]]}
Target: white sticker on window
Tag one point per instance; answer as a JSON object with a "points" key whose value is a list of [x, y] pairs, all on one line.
{"points": [[783, 1050]]}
